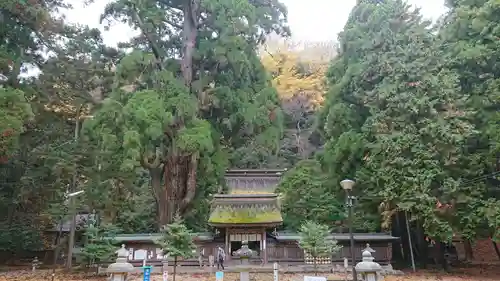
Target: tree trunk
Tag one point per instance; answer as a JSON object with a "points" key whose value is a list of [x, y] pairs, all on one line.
{"points": [[422, 245], [469, 255], [189, 33], [179, 169], [158, 193], [495, 246], [180, 187], [405, 242], [315, 266], [175, 267], [442, 256], [397, 248]]}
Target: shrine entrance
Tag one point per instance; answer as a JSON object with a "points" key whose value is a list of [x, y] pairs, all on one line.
{"points": [[247, 211]]}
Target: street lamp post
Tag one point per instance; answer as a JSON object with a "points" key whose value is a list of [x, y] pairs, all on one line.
{"points": [[71, 242], [347, 185], [59, 233]]}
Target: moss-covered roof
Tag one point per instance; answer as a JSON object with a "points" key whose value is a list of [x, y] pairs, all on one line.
{"points": [[245, 209], [245, 215]]}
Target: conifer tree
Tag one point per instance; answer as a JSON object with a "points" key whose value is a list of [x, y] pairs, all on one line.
{"points": [[177, 241], [395, 119], [191, 95], [315, 241], [469, 34], [99, 244]]}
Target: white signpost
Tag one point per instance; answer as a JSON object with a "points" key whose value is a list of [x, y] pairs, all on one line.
{"points": [[275, 271], [314, 278], [165, 275]]}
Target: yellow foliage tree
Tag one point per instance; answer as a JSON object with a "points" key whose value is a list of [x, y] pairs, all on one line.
{"points": [[298, 74]]}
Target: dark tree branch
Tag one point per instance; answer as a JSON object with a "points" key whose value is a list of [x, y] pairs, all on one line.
{"points": [[149, 37]]}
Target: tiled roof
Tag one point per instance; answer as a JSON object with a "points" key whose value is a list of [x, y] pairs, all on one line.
{"points": [[152, 237], [253, 181], [81, 221], [293, 236]]}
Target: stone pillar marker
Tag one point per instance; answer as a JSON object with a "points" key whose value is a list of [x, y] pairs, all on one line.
{"points": [[368, 269], [211, 262], [244, 253], [34, 264], [164, 266], [121, 268], [275, 271]]}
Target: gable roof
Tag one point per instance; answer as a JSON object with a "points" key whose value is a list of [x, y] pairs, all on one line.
{"points": [[81, 221], [362, 237], [253, 181]]}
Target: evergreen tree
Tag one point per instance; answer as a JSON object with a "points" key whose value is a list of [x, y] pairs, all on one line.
{"points": [[314, 240], [469, 35], [177, 241], [395, 119], [307, 196], [190, 97], [15, 111], [99, 244]]}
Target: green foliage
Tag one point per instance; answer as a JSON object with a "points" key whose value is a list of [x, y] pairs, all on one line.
{"points": [[315, 240], [177, 240], [14, 112], [469, 35], [20, 236], [176, 124], [394, 118], [307, 195], [99, 244]]}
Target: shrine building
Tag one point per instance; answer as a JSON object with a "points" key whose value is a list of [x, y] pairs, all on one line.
{"points": [[250, 211]]}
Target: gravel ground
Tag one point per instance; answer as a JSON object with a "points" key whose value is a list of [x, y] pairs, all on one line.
{"points": [[490, 273]]}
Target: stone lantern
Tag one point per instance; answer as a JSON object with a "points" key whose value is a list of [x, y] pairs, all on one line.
{"points": [[244, 253], [121, 268], [368, 269]]}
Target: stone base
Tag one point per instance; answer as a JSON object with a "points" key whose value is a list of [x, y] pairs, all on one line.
{"points": [[244, 276]]}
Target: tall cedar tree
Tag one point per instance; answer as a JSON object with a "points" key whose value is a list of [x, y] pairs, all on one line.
{"points": [[395, 117], [192, 92], [470, 33]]}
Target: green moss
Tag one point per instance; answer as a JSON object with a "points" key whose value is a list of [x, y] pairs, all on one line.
{"points": [[232, 215]]}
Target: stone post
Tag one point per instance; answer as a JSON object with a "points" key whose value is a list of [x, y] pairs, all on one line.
{"points": [[34, 264], [368, 269], [211, 261], [121, 268], [164, 267], [244, 253], [275, 271]]}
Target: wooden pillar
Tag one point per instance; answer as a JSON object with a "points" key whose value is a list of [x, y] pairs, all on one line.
{"points": [[264, 246]]}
